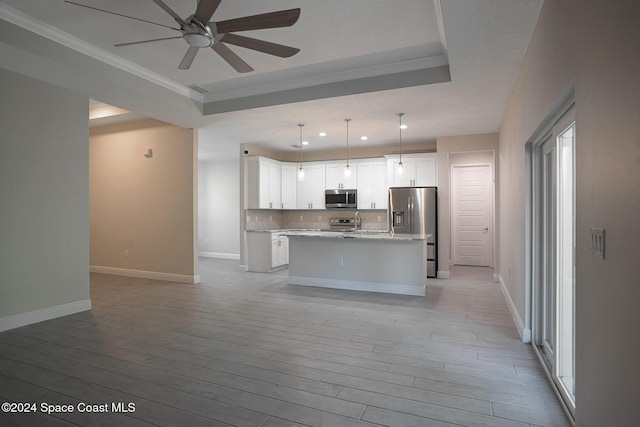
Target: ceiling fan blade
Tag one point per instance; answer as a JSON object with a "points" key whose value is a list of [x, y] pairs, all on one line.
{"points": [[120, 14], [234, 60], [282, 18], [188, 58], [170, 12], [147, 41], [260, 45], [206, 9]]}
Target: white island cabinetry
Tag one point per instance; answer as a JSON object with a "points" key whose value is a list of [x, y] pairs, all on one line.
{"points": [[378, 262]]}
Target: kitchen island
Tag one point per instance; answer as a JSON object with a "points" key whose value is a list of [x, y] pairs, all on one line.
{"points": [[373, 262]]}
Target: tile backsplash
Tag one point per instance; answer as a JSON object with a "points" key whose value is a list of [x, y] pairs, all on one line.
{"points": [[268, 219]]}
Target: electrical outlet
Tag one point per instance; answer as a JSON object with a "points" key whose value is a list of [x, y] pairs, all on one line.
{"points": [[319, 217], [340, 262], [126, 253], [300, 217], [596, 246], [270, 217], [255, 218], [379, 218]]}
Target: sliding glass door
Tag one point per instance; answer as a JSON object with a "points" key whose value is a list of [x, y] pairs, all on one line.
{"points": [[554, 249]]}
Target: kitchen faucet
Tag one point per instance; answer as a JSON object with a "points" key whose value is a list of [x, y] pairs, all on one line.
{"points": [[356, 222]]}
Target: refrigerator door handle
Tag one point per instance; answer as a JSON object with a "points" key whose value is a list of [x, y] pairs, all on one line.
{"points": [[411, 214]]}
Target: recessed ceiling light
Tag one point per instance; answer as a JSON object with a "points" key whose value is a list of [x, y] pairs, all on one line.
{"points": [[305, 142], [322, 134], [364, 138]]}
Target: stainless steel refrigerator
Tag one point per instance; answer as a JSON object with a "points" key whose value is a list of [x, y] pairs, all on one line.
{"points": [[414, 210]]}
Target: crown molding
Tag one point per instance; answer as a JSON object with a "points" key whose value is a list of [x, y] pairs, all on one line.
{"points": [[350, 69], [40, 28]]}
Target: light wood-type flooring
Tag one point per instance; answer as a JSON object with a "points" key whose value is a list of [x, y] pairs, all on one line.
{"points": [[246, 349]]}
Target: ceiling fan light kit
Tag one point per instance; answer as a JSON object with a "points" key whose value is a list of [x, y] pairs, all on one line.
{"points": [[196, 34], [199, 33]]}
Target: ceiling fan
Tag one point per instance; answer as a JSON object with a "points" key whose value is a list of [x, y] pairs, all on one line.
{"points": [[199, 33]]}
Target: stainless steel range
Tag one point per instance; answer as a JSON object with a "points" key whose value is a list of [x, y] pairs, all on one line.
{"points": [[344, 224]]}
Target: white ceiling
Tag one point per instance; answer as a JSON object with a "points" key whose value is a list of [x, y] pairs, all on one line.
{"points": [[362, 59]]}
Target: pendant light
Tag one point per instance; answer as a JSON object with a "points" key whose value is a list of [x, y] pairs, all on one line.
{"points": [[347, 168], [400, 168], [300, 169]]}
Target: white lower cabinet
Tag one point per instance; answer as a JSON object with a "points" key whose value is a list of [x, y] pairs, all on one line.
{"points": [[267, 251], [279, 251]]}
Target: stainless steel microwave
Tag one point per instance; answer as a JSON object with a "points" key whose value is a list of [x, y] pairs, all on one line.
{"points": [[341, 198]]}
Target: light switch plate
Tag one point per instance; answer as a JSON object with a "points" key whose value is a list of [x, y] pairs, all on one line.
{"points": [[597, 242]]}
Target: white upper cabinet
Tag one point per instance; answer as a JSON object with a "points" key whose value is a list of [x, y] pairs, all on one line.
{"points": [[335, 177], [310, 194], [372, 185], [264, 183], [289, 177], [420, 170]]}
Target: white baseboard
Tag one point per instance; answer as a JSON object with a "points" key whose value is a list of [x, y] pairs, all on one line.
{"points": [[525, 333], [243, 267], [41, 315], [358, 286], [220, 255], [443, 274], [154, 275]]}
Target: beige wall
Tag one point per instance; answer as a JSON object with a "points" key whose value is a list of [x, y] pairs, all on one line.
{"points": [[146, 206], [479, 148], [595, 45], [44, 201]]}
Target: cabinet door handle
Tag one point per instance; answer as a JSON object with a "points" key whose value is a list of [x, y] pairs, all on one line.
{"points": [[270, 205]]}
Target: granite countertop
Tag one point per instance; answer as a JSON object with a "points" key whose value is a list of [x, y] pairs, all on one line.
{"points": [[283, 230], [364, 235]]}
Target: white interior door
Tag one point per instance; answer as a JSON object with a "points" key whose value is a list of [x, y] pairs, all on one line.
{"points": [[472, 202]]}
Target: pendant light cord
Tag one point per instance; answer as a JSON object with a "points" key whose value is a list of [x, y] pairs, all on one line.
{"points": [[347, 120], [400, 133], [301, 125]]}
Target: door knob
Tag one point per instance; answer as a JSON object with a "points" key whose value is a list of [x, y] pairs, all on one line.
{"points": [[485, 229]]}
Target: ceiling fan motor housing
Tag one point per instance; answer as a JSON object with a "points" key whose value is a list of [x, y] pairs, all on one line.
{"points": [[196, 33]]}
